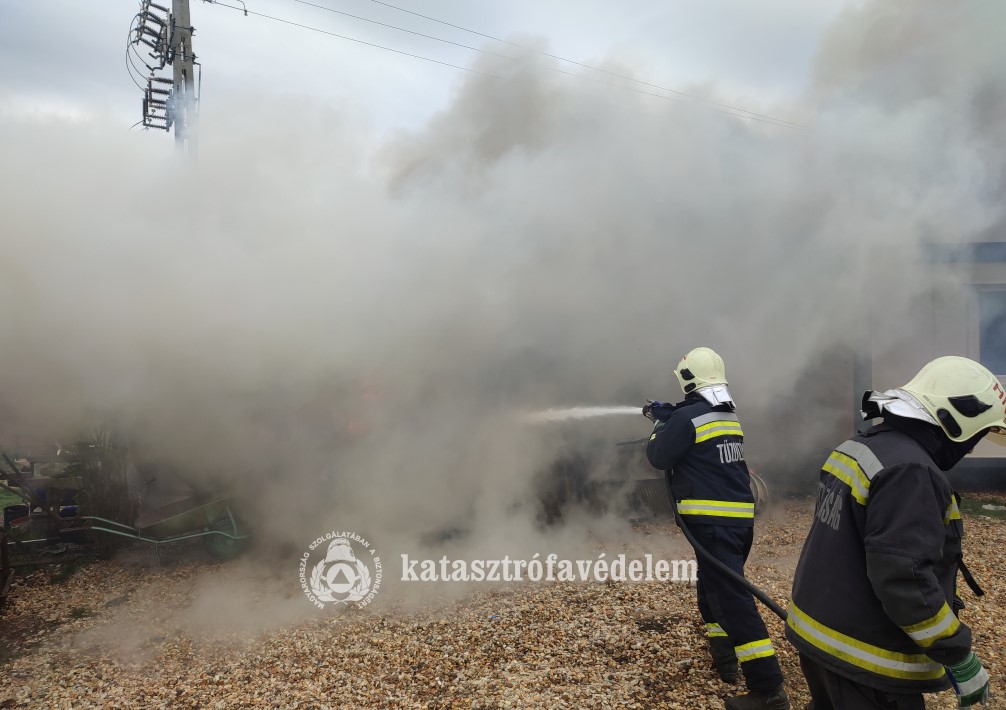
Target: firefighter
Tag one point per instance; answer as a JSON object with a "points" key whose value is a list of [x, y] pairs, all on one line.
{"points": [[874, 605], [698, 443]]}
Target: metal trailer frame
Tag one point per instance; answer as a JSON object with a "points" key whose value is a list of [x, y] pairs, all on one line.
{"points": [[186, 519]]}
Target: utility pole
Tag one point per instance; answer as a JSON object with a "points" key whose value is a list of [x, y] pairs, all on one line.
{"points": [[183, 99], [168, 102]]}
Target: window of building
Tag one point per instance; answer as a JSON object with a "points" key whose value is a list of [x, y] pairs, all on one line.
{"points": [[992, 329]]}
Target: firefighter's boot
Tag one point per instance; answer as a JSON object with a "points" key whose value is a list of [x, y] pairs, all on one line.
{"points": [[760, 700], [724, 658]]}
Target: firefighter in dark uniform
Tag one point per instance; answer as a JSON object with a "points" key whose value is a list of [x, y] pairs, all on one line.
{"points": [[874, 605], [699, 444]]}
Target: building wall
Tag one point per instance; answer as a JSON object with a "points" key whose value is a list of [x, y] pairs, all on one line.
{"points": [[942, 320]]}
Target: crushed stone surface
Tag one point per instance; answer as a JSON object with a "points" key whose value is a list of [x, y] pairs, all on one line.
{"points": [[127, 633]]}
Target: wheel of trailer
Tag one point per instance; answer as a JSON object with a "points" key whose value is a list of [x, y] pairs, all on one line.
{"points": [[19, 529], [760, 491], [222, 547]]}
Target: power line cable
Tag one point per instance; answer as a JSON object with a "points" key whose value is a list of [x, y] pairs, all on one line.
{"points": [[504, 56], [129, 64], [131, 48], [131, 77], [130, 61], [401, 29], [586, 66], [772, 119], [753, 117], [351, 39], [130, 54], [771, 122], [442, 22]]}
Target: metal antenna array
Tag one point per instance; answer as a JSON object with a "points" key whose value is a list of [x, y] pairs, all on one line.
{"points": [[169, 102]]}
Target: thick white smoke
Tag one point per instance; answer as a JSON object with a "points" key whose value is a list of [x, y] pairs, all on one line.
{"points": [[346, 328]]}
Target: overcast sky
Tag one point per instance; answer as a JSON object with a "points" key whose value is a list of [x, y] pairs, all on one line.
{"points": [[67, 56]]}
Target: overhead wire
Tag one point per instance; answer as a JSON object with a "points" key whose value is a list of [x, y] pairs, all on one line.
{"points": [[401, 29], [131, 47], [752, 114], [129, 57], [768, 119], [131, 52], [351, 39], [771, 121], [140, 59], [585, 66], [723, 108], [131, 77], [129, 62], [442, 22]]}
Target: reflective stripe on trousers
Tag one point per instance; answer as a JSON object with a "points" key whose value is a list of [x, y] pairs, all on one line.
{"points": [[715, 631], [753, 650]]}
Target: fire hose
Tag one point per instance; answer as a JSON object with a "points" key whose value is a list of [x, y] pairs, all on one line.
{"points": [[708, 557]]}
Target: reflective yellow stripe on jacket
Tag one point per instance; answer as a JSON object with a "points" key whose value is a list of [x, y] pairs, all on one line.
{"points": [[861, 654], [855, 465], [939, 626], [952, 512], [719, 508], [714, 424]]}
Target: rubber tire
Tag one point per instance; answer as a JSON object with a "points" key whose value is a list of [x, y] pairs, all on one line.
{"points": [[224, 548]]}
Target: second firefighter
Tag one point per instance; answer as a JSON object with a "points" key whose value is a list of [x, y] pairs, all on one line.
{"points": [[699, 444]]}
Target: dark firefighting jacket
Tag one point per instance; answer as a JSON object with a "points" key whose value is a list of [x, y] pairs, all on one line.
{"points": [[874, 588], [700, 449]]}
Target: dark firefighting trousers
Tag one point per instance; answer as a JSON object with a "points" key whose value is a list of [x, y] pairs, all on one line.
{"points": [[728, 609], [830, 691]]}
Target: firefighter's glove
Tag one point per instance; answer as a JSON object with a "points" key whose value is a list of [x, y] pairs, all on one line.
{"points": [[657, 411], [970, 680]]}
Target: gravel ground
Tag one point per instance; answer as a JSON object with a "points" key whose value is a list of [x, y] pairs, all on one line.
{"points": [[126, 634]]}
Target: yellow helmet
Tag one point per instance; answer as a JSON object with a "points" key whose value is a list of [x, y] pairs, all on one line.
{"points": [[962, 396], [702, 367]]}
